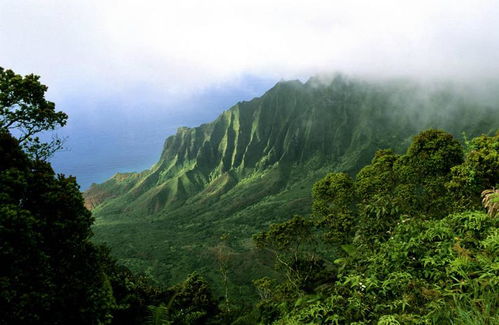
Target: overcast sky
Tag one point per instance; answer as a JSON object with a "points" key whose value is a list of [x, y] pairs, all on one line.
{"points": [[137, 69], [178, 47]]}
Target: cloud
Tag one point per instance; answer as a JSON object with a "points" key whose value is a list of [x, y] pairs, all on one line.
{"points": [[176, 48], [129, 72]]}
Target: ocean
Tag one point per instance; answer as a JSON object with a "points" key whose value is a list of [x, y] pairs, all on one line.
{"points": [[110, 135]]}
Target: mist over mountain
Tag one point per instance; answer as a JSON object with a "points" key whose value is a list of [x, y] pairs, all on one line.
{"points": [[255, 164], [154, 171]]}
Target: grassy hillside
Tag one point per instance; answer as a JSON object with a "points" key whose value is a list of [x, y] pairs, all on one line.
{"points": [[255, 165]]}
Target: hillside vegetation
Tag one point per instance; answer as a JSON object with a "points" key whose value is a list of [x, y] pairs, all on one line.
{"points": [[410, 237], [404, 242], [255, 165]]}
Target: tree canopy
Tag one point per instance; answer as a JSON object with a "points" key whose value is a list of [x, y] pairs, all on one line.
{"points": [[25, 112], [410, 239], [51, 273]]}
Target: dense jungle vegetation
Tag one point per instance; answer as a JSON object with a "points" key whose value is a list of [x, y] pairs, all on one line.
{"points": [[217, 184], [411, 238], [404, 242]]}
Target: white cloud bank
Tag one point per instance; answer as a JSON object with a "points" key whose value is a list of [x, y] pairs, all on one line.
{"points": [[179, 47]]}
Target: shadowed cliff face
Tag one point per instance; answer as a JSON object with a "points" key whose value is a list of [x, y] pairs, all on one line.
{"points": [[256, 162]]}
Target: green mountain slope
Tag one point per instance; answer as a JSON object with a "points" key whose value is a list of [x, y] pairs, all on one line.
{"points": [[255, 165]]}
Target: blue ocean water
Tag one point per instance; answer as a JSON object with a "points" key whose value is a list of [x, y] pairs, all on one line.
{"points": [[127, 134]]}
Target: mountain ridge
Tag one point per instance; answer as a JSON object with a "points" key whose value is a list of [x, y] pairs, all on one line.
{"points": [[255, 165]]}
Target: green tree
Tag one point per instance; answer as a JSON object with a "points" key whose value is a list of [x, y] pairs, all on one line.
{"points": [[294, 246], [25, 112], [333, 205], [333, 194], [423, 172], [423, 262], [192, 302], [434, 153], [133, 293], [425, 265], [378, 207], [51, 273], [479, 171]]}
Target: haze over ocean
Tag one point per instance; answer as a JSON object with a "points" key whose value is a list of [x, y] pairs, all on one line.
{"points": [[129, 74], [102, 142]]}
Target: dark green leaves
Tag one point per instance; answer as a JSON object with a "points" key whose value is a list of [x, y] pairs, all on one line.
{"points": [[25, 112], [51, 273]]}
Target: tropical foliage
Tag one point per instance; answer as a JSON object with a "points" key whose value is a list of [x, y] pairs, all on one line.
{"points": [[256, 163], [51, 272], [25, 112], [412, 238], [410, 255]]}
